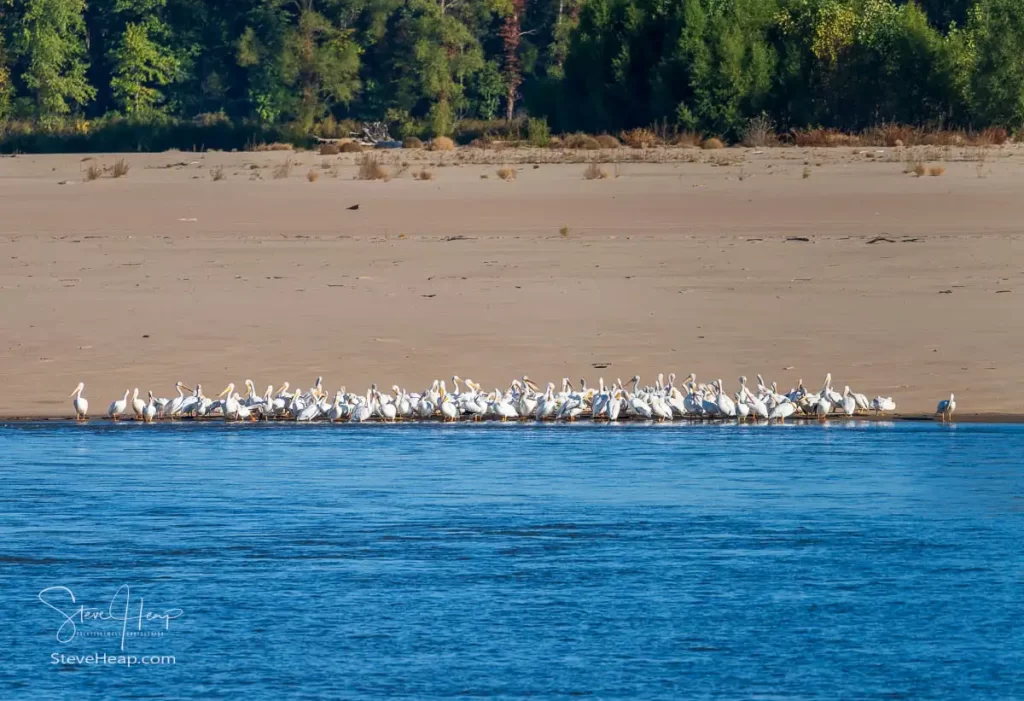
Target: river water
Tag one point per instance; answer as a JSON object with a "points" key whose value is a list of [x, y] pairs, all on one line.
{"points": [[427, 562]]}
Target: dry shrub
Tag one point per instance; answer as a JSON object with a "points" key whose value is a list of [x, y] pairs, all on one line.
{"points": [[916, 167], [330, 148], [823, 138], [442, 143], [582, 142], [120, 168], [607, 141], [595, 172], [639, 138], [807, 172], [352, 147], [759, 131], [312, 176], [412, 142], [484, 176], [712, 144], [936, 171], [690, 139], [370, 168], [276, 146], [564, 232], [506, 173], [217, 173], [992, 136], [283, 170], [93, 172], [895, 135], [423, 174]]}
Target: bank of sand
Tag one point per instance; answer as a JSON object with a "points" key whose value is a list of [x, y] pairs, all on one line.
{"points": [[682, 266]]}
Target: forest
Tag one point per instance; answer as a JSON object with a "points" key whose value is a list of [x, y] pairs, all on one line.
{"points": [[148, 74]]}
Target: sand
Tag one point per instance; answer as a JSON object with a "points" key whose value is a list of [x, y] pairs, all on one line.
{"points": [[670, 267]]}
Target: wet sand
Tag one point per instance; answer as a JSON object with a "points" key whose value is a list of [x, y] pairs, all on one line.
{"points": [[673, 267]]}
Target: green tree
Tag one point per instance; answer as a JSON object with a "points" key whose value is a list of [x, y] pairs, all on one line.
{"points": [[139, 65], [51, 40], [997, 29]]}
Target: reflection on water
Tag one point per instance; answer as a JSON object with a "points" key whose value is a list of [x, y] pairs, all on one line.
{"points": [[870, 560]]}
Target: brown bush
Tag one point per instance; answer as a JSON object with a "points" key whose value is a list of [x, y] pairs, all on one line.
{"points": [[607, 141], [423, 174], [823, 138], [217, 173], [506, 173], [583, 142], [992, 136], [936, 171], [352, 147], [370, 168], [93, 172], [639, 138], [276, 146], [411, 142], [442, 143], [312, 176], [595, 172], [120, 168], [691, 139], [712, 144], [330, 148]]}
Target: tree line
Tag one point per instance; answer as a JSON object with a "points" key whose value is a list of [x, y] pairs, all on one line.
{"points": [[426, 66]]}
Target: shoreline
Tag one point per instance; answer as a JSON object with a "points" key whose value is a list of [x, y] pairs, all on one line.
{"points": [[978, 418]]}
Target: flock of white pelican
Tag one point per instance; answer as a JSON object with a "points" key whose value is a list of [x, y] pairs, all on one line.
{"points": [[521, 400]]}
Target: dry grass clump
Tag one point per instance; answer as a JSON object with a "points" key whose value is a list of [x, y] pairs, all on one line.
{"points": [[120, 168], [312, 176], [595, 172], [276, 146], [283, 170], [760, 132], [583, 142], [442, 143], [713, 143], [916, 167], [895, 135], [330, 148], [352, 147], [607, 141], [423, 174], [639, 138], [992, 136], [93, 172], [412, 142], [506, 173], [217, 173], [822, 138], [688, 139], [807, 172], [936, 171], [370, 168]]}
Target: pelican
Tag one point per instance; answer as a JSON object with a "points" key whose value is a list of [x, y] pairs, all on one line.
{"points": [[230, 403], [138, 406], [362, 411], [946, 408], [725, 405], [80, 403], [173, 407], [149, 411], [880, 404], [449, 410], [782, 410], [849, 402], [118, 407]]}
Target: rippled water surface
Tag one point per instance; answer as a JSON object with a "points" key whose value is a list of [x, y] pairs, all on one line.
{"points": [[850, 561]]}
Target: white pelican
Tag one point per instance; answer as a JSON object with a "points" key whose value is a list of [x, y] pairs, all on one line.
{"points": [[80, 403], [946, 407], [230, 403], [725, 404], [782, 410], [119, 407], [362, 411], [849, 402], [880, 404], [449, 410], [614, 405], [149, 411], [138, 406], [173, 407]]}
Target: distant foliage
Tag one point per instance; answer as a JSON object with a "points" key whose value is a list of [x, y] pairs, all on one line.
{"points": [[153, 74]]}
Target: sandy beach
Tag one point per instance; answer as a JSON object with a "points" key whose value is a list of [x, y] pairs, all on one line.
{"points": [[791, 263]]}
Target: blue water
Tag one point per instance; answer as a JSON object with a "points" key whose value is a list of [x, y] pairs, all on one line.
{"points": [[422, 562]]}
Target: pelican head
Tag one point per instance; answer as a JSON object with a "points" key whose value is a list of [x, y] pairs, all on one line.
{"points": [[79, 389], [228, 390]]}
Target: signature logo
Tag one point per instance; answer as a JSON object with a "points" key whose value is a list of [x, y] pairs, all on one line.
{"points": [[131, 617]]}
